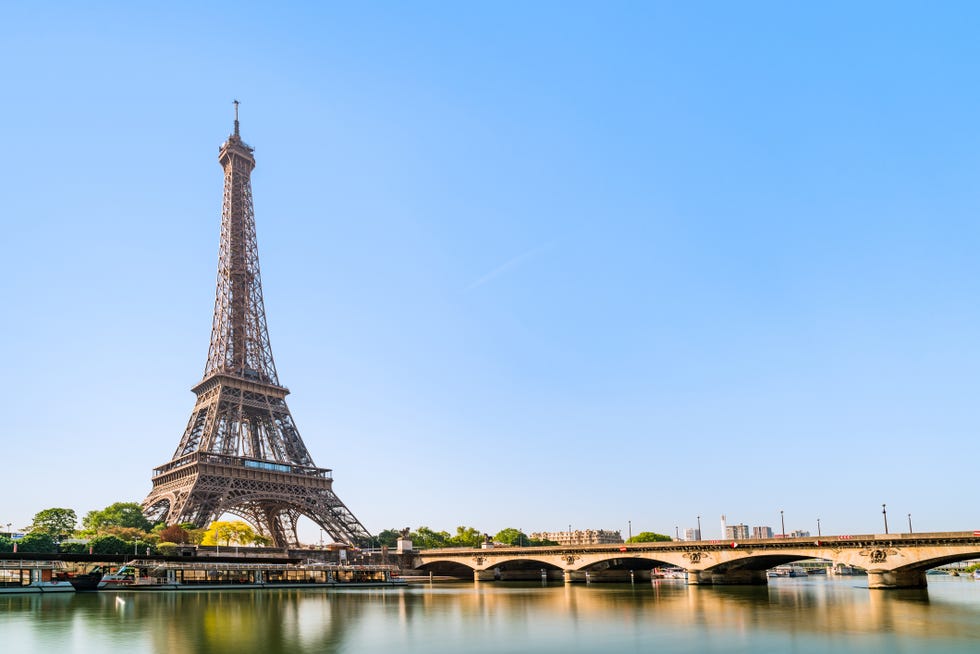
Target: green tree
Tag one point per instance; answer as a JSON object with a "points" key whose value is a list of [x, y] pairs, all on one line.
{"points": [[511, 536], [57, 523], [388, 538], [120, 514], [130, 534], [194, 534], [466, 537], [73, 548], [541, 542], [110, 545], [424, 538], [37, 541], [6, 544], [649, 537]]}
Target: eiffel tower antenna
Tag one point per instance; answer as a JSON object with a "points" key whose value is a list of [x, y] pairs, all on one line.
{"points": [[241, 452]]}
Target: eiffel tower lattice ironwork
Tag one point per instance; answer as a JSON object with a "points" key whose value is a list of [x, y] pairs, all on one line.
{"points": [[241, 452]]}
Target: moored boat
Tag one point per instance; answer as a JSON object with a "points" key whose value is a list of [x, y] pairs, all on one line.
{"points": [[787, 571], [166, 575], [86, 581], [33, 577], [671, 573]]}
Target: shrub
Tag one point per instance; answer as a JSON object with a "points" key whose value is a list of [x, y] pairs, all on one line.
{"points": [[167, 549]]}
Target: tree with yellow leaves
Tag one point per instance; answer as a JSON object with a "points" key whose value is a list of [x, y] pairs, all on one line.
{"points": [[232, 532]]}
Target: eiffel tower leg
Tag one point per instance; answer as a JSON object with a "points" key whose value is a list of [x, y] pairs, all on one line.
{"points": [[276, 528]]}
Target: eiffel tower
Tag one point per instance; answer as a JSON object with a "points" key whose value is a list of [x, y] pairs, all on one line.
{"points": [[241, 452]]}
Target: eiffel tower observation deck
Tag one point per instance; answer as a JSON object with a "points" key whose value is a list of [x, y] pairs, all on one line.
{"points": [[241, 452]]}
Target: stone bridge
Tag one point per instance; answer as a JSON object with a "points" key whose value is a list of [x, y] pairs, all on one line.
{"points": [[891, 560]]}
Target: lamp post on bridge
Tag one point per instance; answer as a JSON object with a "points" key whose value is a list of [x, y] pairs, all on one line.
{"points": [[884, 515], [782, 523], [629, 526], [910, 524], [818, 528], [699, 527]]}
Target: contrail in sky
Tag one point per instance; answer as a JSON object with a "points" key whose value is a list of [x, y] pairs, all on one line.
{"points": [[510, 264]]}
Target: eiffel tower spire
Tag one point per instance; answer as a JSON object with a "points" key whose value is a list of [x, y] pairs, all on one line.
{"points": [[239, 335], [241, 452]]}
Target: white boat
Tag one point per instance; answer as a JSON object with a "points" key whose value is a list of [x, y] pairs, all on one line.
{"points": [[33, 577], [124, 577], [787, 571], [670, 573], [844, 570]]}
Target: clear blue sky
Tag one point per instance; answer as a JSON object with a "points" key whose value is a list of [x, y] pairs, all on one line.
{"points": [[525, 264]]}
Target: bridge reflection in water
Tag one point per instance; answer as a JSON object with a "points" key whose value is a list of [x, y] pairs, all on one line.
{"points": [[891, 560], [788, 615]]}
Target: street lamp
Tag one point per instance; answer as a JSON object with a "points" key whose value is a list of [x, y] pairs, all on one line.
{"points": [[884, 515], [910, 524], [629, 524], [782, 522], [677, 532], [818, 528], [136, 544], [699, 527]]}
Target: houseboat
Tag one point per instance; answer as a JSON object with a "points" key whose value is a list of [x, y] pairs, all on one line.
{"points": [[33, 577], [198, 575]]}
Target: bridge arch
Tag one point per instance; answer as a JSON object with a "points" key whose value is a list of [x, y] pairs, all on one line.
{"points": [[939, 561], [447, 568]]}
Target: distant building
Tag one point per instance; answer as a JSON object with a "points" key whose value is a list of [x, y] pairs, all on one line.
{"points": [[761, 532], [692, 533], [736, 532], [581, 537], [799, 533]]}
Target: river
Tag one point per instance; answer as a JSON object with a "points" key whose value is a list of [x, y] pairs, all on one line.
{"points": [[803, 616]]}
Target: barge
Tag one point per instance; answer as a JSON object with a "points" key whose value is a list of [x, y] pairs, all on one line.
{"points": [[139, 575], [33, 577]]}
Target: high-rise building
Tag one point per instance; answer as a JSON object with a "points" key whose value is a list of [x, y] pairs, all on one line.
{"points": [[737, 532], [761, 532], [692, 533]]}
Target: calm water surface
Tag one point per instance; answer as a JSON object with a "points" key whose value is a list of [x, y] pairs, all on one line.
{"points": [[790, 615]]}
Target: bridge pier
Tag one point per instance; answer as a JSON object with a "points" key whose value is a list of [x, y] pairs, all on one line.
{"points": [[485, 575], [577, 576], [888, 579], [698, 577], [731, 577]]}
